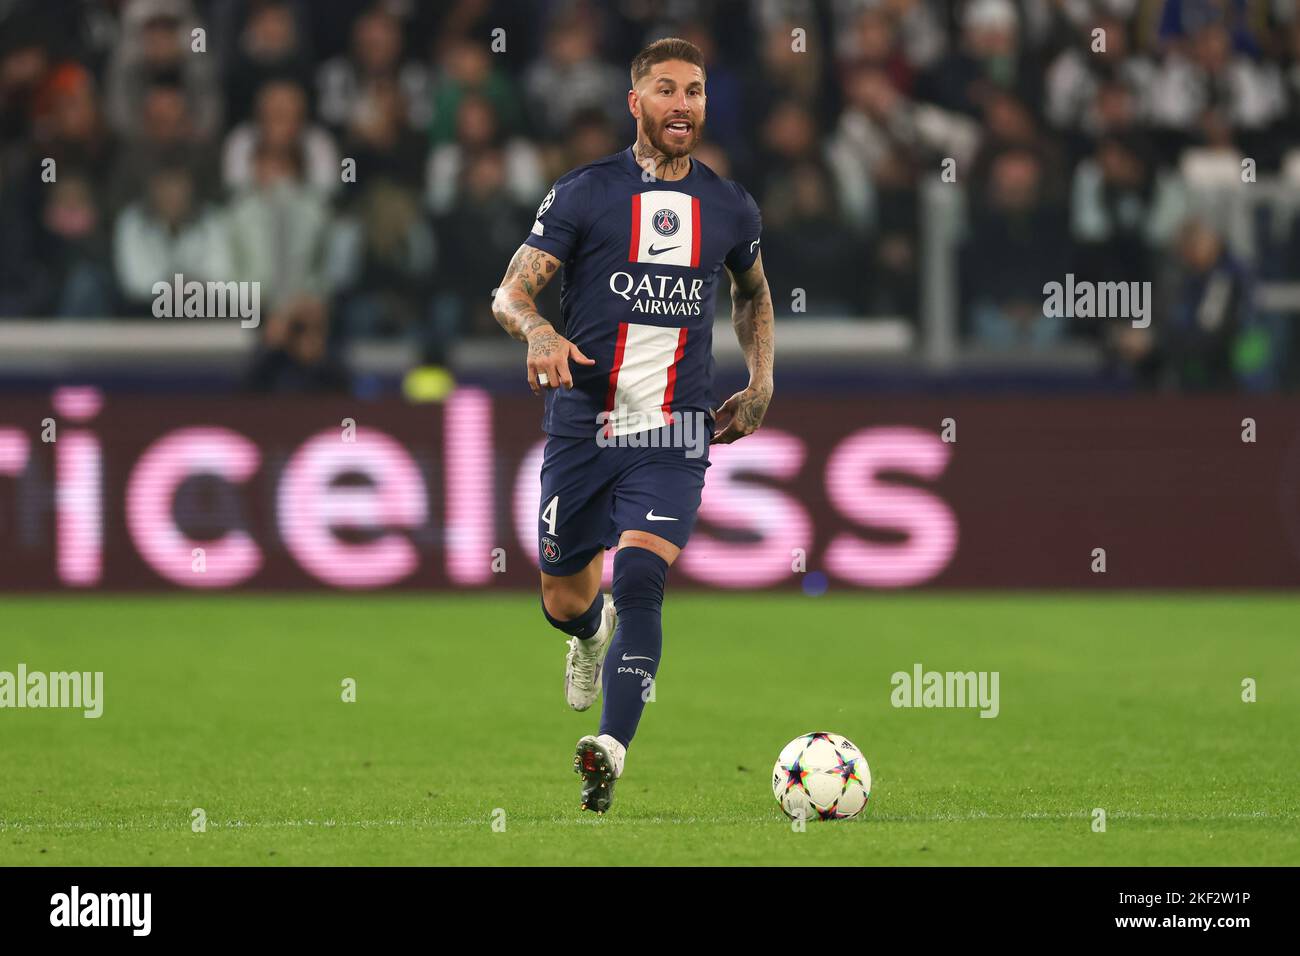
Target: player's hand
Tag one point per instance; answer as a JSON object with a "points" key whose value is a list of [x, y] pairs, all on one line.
{"points": [[741, 414], [548, 359]]}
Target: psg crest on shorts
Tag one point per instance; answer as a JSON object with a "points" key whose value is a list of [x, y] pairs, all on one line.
{"points": [[550, 550], [666, 222]]}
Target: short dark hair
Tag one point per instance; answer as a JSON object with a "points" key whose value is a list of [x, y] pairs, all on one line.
{"points": [[669, 48]]}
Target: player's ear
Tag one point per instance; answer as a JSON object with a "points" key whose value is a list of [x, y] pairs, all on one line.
{"points": [[633, 103]]}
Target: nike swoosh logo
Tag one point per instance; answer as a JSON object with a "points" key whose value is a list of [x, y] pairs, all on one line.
{"points": [[651, 516], [654, 252], [626, 658]]}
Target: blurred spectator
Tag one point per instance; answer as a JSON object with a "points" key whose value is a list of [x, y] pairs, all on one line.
{"points": [[805, 249], [477, 133], [570, 77], [393, 253], [880, 128], [1213, 160], [165, 137], [1079, 72], [784, 76], [57, 264], [69, 127], [21, 292], [1115, 111], [1208, 75], [1183, 19], [269, 47], [378, 138], [788, 139], [24, 61], [1010, 125], [74, 252], [480, 231], [280, 229], [294, 355], [1210, 314], [891, 286], [593, 138], [1287, 132], [990, 59], [281, 126], [157, 38], [1082, 13], [1122, 210], [166, 233], [713, 156], [871, 40], [1017, 244], [467, 69], [39, 233], [344, 83], [916, 35]]}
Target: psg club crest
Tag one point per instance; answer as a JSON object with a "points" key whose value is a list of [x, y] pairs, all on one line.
{"points": [[666, 222], [550, 550]]}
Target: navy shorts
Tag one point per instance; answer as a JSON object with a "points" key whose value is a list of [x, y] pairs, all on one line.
{"points": [[592, 494]]}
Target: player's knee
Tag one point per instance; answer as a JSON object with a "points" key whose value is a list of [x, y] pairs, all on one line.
{"points": [[639, 577], [561, 603]]}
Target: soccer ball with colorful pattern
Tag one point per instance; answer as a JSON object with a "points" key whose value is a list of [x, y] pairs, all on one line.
{"points": [[821, 776]]}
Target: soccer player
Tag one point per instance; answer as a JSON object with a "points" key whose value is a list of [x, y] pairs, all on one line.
{"points": [[642, 237]]}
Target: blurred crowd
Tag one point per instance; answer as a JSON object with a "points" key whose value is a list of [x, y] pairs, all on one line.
{"points": [[225, 154]]}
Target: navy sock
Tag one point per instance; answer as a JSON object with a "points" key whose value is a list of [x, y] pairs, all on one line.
{"points": [[633, 657], [582, 627]]}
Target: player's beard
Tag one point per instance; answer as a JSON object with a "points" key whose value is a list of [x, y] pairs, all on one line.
{"points": [[654, 134]]}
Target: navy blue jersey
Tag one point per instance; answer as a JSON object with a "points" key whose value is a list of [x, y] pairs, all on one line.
{"points": [[642, 261]]}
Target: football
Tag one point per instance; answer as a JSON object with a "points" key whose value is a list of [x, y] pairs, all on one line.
{"points": [[821, 776]]}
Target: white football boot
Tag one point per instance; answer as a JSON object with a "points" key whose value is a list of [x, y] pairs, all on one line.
{"points": [[583, 664], [599, 761]]}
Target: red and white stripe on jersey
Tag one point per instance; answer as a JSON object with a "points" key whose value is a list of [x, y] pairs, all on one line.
{"points": [[644, 377], [665, 229]]}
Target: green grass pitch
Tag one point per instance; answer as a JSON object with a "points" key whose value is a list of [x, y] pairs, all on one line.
{"points": [[233, 705]]}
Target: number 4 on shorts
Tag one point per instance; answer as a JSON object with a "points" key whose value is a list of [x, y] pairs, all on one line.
{"points": [[548, 514]]}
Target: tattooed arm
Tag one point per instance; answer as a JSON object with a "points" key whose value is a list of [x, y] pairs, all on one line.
{"points": [[515, 308], [753, 320]]}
